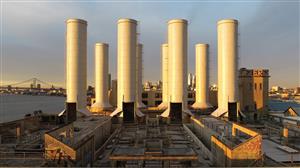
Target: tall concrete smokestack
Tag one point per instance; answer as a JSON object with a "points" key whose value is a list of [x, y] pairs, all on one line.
{"points": [[177, 60], [202, 77], [127, 41], [165, 82], [101, 78], [227, 65], [76, 63], [127, 44], [139, 75]]}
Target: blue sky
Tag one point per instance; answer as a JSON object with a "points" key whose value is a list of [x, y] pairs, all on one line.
{"points": [[33, 35]]}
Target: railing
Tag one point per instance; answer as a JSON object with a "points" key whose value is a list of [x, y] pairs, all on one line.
{"points": [[22, 155]]}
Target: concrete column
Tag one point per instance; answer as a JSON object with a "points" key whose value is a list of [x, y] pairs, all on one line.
{"points": [[76, 63], [285, 133], [113, 93], [139, 76], [101, 78], [202, 77], [127, 41], [165, 80], [227, 65], [177, 70], [233, 131], [177, 54]]}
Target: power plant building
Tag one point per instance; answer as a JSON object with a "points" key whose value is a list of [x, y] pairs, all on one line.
{"points": [[254, 88], [163, 133]]}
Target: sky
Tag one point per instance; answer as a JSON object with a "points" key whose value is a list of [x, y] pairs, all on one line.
{"points": [[33, 35]]}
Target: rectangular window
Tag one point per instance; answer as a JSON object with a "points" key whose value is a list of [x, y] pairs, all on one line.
{"points": [[190, 95], [145, 95], [260, 86], [157, 95], [191, 102], [157, 103]]}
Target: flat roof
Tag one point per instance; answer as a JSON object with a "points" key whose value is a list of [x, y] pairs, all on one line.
{"points": [[82, 129], [281, 115], [274, 151]]}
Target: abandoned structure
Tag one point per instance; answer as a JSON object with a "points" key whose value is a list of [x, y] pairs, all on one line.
{"points": [[255, 84], [171, 134]]}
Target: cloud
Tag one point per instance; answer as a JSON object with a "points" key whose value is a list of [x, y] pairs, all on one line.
{"points": [[34, 35]]}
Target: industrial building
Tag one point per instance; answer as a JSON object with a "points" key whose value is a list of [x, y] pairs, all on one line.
{"points": [[255, 84], [175, 131], [126, 126]]}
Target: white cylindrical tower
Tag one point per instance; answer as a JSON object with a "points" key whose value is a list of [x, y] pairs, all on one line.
{"points": [[76, 63], [101, 77], [227, 65], [139, 75], [177, 60], [113, 94], [165, 82], [127, 42], [202, 77]]}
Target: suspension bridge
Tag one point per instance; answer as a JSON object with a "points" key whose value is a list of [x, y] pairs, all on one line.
{"points": [[32, 83]]}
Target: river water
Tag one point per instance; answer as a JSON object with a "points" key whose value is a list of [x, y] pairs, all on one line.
{"points": [[13, 107]]}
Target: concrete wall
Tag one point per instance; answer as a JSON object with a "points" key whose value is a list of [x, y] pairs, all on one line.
{"points": [[202, 132], [101, 133], [19, 128], [151, 98], [261, 79], [242, 154], [80, 150], [246, 88], [223, 151]]}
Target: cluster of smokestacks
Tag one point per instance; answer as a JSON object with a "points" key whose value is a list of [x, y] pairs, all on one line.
{"points": [[129, 69], [76, 69], [174, 69]]}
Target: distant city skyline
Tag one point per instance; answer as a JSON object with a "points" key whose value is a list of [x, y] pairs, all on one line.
{"points": [[33, 36]]}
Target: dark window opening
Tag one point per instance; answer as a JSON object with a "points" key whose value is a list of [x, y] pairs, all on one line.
{"points": [[190, 95], [144, 95], [260, 86], [191, 102], [157, 95], [157, 102]]}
